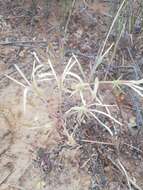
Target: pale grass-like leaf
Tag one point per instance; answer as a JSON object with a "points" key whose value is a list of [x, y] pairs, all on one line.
{"points": [[26, 89], [137, 87], [81, 111], [53, 70], [107, 115], [116, 45], [98, 100], [46, 79], [77, 89], [34, 81], [42, 75], [107, 51], [79, 66], [36, 57], [76, 109], [137, 91], [67, 69], [106, 127], [38, 90], [38, 67], [81, 86], [95, 89], [72, 93], [107, 109], [137, 81], [69, 66], [126, 174], [97, 142], [75, 76], [35, 70], [71, 112], [34, 85], [82, 98], [101, 57], [22, 74], [111, 27], [16, 81], [102, 105]]}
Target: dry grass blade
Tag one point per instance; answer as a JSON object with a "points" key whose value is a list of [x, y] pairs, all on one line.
{"points": [[126, 174], [84, 111], [53, 70], [130, 182], [26, 89], [36, 57], [79, 66], [69, 15], [67, 69], [102, 124], [22, 74], [133, 84], [97, 142], [105, 114], [101, 53], [111, 27], [36, 68], [95, 88], [75, 76], [100, 58], [16, 81]]}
